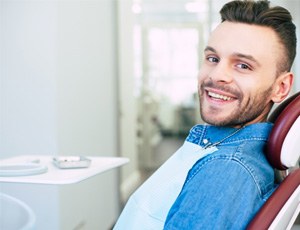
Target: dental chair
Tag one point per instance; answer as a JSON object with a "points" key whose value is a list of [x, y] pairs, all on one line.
{"points": [[283, 151]]}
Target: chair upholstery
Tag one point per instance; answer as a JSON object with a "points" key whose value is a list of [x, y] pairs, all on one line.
{"points": [[284, 136], [283, 152]]}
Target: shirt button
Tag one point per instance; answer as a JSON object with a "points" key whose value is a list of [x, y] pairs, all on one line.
{"points": [[205, 141]]}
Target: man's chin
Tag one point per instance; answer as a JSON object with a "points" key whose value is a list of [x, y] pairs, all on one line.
{"points": [[214, 122], [220, 121]]}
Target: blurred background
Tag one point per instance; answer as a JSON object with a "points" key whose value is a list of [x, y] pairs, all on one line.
{"points": [[101, 78]]}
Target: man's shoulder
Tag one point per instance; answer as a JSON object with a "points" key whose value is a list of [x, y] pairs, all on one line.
{"points": [[245, 165]]}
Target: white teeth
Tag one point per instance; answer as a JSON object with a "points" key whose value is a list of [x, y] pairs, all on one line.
{"points": [[219, 96]]}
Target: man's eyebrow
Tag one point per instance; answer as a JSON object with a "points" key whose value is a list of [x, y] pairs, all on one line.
{"points": [[209, 48], [246, 56]]}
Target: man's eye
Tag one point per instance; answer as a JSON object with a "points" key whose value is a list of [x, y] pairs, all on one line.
{"points": [[243, 66], [212, 59]]}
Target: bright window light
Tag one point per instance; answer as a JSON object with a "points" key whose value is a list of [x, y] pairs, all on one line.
{"points": [[195, 7], [136, 8]]}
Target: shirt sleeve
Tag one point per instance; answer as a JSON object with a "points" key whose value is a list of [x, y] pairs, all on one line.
{"points": [[219, 194]]}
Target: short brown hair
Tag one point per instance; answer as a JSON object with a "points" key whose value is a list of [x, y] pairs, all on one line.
{"points": [[260, 13]]}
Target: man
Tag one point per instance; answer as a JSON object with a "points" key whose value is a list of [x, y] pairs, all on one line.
{"points": [[220, 177]]}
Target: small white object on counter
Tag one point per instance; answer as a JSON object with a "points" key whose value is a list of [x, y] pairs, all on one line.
{"points": [[71, 162]]}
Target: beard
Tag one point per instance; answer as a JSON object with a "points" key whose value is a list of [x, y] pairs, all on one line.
{"points": [[243, 112]]}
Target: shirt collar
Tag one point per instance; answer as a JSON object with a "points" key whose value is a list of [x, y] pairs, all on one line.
{"points": [[204, 134]]}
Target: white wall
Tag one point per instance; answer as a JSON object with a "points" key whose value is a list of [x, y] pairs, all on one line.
{"points": [[86, 78], [28, 77], [59, 96]]}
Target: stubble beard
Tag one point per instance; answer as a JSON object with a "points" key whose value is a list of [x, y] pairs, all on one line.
{"points": [[243, 113]]}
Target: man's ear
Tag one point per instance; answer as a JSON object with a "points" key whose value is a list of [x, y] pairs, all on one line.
{"points": [[282, 87]]}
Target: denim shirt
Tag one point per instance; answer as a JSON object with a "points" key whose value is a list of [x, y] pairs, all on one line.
{"points": [[220, 187]]}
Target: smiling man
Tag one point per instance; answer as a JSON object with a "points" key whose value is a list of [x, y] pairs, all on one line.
{"points": [[220, 177], [241, 78]]}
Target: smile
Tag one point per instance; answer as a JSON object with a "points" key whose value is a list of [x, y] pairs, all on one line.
{"points": [[219, 96]]}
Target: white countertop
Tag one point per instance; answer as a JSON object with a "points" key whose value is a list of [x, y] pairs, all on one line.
{"points": [[55, 175]]}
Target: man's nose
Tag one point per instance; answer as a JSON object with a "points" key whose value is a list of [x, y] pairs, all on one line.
{"points": [[222, 73]]}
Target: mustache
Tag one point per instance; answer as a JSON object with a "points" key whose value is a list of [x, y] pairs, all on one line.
{"points": [[223, 87]]}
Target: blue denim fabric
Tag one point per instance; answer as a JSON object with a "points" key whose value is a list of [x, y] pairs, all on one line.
{"points": [[225, 189], [216, 188]]}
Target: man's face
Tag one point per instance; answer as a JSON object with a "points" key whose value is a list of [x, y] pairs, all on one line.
{"points": [[238, 74]]}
